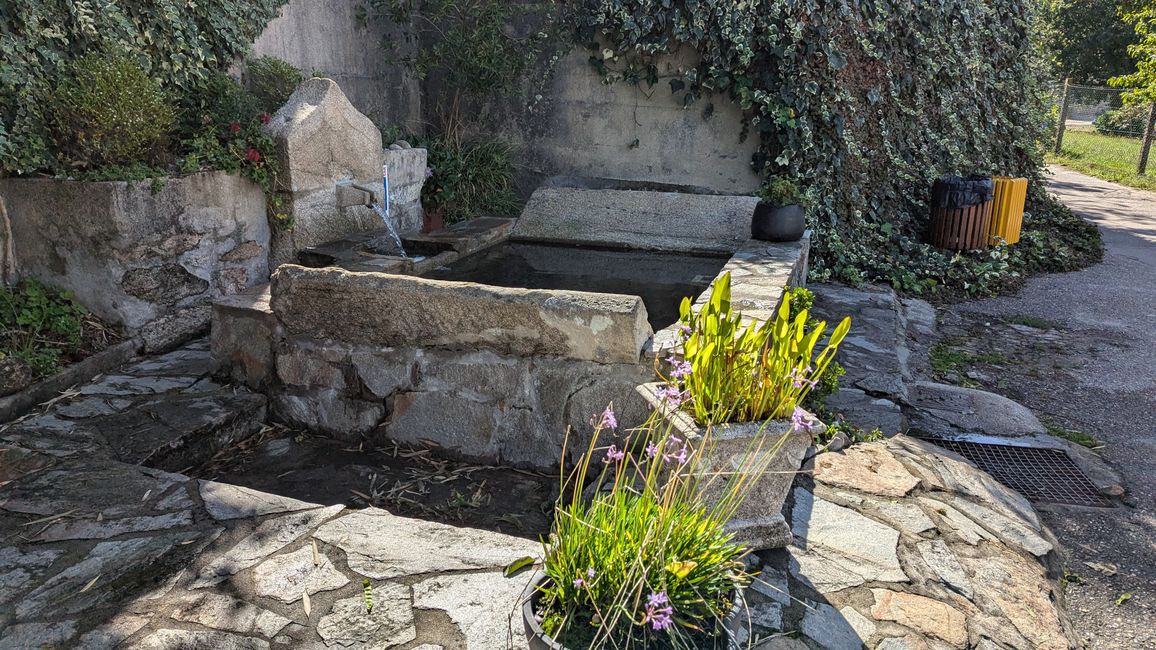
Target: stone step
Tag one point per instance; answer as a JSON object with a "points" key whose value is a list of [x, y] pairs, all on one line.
{"points": [[164, 412]]}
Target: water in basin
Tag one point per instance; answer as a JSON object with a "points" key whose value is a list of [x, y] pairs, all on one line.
{"points": [[660, 279]]}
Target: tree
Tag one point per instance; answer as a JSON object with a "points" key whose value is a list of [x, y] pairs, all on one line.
{"points": [[1141, 83], [1086, 40]]}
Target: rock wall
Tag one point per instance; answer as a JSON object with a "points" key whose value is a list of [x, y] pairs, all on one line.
{"points": [[336, 39], [148, 259], [323, 142]]}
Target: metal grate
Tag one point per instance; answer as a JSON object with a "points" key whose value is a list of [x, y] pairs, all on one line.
{"points": [[1041, 475]]}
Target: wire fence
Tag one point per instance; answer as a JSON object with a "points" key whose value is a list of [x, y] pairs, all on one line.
{"points": [[1096, 128]]}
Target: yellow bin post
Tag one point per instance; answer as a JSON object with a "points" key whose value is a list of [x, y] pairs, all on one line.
{"points": [[1007, 215]]}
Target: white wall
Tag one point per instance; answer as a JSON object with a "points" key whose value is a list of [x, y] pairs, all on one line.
{"points": [[329, 37]]}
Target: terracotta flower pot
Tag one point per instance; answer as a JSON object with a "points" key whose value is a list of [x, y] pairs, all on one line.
{"points": [[433, 219]]}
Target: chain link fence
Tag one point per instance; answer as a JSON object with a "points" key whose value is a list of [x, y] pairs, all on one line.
{"points": [[1096, 128]]}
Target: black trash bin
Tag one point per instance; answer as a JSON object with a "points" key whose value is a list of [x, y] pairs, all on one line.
{"points": [[961, 213]]}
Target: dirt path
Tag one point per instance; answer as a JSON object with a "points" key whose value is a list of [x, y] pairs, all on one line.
{"points": [[1095, 374]]}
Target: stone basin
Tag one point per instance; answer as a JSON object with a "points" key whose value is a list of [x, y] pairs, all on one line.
{"points": [[454, 351]]}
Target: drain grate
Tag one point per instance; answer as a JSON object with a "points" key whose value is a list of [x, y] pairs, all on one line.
{"points": [[1041, 475]]}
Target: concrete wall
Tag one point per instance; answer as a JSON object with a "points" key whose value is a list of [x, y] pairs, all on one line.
{"points": [[332, 39], [151, 261], [588, 129]]}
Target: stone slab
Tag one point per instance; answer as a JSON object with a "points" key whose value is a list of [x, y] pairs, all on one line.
{"points": [[976, 411], [868, 544], [389, 625], [380, 545], [920, 613], [287, 577], [267, 538], [224, 501], [865, 467], [391, 310], [638, 219], [484, 606]]}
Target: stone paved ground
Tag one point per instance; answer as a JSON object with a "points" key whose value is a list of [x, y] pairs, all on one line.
{"points": [[1089, 364], [99, 552], [895, 544]]}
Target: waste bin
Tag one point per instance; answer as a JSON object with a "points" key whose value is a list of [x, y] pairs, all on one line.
{"points": [[1007, 215], [961, 213]]}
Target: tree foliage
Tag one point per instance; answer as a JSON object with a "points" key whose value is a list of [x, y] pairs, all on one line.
{"points": [[176, 42], [1142, 81], [1086, 40]]}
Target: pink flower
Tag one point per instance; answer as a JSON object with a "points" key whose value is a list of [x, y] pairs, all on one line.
{"points": [[651, 450], [252, 155], [235, 127], [614, 454], [609, 421], [659, 613], [265, 117], [802, 420]]}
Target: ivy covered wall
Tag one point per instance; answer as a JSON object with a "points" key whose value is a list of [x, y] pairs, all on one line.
{"points": [[865, 103]]}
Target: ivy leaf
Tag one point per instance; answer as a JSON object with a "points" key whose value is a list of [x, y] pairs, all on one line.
{"points": [[677, 86], [836, 59]]}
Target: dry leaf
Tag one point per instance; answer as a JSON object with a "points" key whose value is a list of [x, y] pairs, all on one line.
{"points": [[305, 603], [1104, 568]]}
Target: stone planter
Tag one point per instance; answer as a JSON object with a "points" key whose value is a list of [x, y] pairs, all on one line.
{"points": [[537, 639], [759, 522]]}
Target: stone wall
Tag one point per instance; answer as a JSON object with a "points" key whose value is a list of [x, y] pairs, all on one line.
{"points": [[587, 129], [148, 259], [323, 142], [336, 39], [475, 403]]}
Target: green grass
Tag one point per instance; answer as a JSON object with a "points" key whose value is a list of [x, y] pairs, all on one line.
{"points": [[1078, 437], [1033, 321], [1112, 158], [945, 357]]}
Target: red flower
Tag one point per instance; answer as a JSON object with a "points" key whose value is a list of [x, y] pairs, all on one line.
{"points": [[265, 118], [252, 155], [235, 127]]}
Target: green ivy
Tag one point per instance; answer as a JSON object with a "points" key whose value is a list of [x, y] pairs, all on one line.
{"points": [[865, 104], [177, 42]]}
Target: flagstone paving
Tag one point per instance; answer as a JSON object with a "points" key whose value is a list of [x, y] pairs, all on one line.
{"points": [[896, 544]]}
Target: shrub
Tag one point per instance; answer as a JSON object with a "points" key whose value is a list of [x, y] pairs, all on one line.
{"points": [[221, 129], [106, 110], [470, 178], [177, 41], [271, 81], [39, 324], [646, 563], [1127, 120], [735, 374], [781, 192]]}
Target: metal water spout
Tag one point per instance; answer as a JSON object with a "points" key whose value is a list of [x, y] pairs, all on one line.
{"points": [[351, 194]]}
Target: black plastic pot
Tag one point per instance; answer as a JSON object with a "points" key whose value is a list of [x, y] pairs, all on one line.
{"points": [[535, 635], [780, 224], [539, 640]]}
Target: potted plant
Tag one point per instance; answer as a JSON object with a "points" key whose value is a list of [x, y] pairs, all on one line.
{"points": [[740, 382], [645, 561], [779, 215]]}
